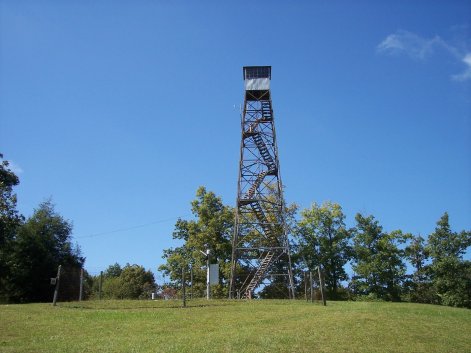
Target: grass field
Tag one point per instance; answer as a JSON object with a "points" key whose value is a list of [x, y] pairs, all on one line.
{"points": [[233, 326]]}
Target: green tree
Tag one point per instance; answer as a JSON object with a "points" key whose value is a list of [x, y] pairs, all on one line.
{"points": [[42, 244], [450, 274], [136, 282], [113, 271], [212, 229], [378, 261], [10, 220], [324, 240], [419, 283], [129, 282], [109, 279]]}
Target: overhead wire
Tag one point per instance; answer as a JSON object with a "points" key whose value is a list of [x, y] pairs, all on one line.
{"points": [[130, 228]]}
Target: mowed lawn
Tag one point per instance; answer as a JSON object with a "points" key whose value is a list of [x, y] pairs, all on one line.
{"points": [[233, 326]]}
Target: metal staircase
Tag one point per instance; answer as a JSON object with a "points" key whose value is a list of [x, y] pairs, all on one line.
{"points": [[259, 274], [262, 147], [266, 110], [250, 194], [254, 203], [258, 211]]}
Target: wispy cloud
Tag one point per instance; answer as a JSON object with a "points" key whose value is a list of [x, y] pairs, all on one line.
{"points": [[466, 74], [419, 48], [408, 43]]}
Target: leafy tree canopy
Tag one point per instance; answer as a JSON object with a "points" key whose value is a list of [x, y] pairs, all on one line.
{"points": [[129, 282], [9, 216], [10, 220], [378, 261], [42, 244], [113, 271], [450, 274], [324, 240], [211, 229]]}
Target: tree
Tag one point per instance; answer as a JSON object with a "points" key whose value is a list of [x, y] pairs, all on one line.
{"points": [[324, 240], [212, 229], [377, 261], [129, 282], [113, 271], [450, 274], [419, 283], [109, 281], [10, 220], [136, 282], [42, 244]]}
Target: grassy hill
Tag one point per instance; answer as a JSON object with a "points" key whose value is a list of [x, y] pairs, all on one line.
{"points": [[233, 326]]}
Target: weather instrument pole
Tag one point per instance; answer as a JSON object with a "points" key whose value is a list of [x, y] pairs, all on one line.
{"points": [[208, 284]]}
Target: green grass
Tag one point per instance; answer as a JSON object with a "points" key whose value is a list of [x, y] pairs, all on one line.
{"points": [[233, 326]]}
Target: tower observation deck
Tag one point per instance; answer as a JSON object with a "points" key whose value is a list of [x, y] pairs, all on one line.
{"points": [[261, 257]]}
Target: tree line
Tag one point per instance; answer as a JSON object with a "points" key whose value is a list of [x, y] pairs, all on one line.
{"points": [[364, 262], [31, 250]]}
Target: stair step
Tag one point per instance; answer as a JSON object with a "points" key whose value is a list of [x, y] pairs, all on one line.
{"points": [[255, 281]]}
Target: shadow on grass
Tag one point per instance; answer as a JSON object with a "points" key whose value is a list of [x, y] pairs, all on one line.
{"points": [[129, 305]]}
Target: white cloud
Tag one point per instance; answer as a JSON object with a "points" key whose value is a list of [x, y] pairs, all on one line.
{"points": [[419, 48], [466, 74], [408, 43]]}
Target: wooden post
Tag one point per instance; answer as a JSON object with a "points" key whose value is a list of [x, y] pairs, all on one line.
{"points": [[81, 285], [305, 285], [183, 287], [310, 281], [321, 285], [191, 282], [100, 284], [56, 290]]}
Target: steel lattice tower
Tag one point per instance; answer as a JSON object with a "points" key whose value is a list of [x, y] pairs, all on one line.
{"points": [[260, 249]]}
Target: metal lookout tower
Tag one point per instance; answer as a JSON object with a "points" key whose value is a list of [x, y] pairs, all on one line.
{"points": [[260, 249]]}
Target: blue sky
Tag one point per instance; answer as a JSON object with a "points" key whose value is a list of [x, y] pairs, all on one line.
{"points": [[120, 110]]}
